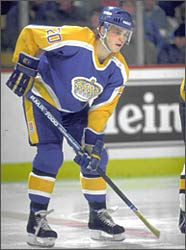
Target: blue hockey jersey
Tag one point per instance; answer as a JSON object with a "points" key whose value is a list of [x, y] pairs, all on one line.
{"points": [[70, 73]]}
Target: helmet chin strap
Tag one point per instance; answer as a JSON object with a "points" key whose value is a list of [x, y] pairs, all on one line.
{"points": [[103, 39], [104, 44]]}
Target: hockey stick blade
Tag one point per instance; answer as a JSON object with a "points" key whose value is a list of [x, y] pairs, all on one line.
{"points": [[78, 149], [154, 230]]}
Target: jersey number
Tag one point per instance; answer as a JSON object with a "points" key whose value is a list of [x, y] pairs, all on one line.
{"points": [[53, 35]]}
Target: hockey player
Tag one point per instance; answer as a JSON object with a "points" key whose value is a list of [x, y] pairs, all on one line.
{"points": [[182, 175], [79, 76]]}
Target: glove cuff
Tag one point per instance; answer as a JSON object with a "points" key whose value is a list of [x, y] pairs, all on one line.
{"points": [[28, 61], [27, 64], [91, 136]]}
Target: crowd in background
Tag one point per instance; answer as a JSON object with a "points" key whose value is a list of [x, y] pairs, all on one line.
{"points": [[164, 25]]}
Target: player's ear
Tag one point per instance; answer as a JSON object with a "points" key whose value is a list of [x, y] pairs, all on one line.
{"points": [[101, 30]]}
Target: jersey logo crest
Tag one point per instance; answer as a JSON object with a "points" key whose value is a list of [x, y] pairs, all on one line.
{"points": [[85, 89]]}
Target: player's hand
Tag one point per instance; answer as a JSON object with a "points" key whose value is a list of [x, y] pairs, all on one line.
{"points": [[21, 80], [92, 145], [82, 159], [95, 156]]}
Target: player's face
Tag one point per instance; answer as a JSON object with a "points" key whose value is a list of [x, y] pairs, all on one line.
{"points": [[116, 38], [180, 42]]}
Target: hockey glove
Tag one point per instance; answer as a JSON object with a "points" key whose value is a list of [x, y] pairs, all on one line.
{"points": [[93, 145], [95, 156], [82, 159], [21, 80]]}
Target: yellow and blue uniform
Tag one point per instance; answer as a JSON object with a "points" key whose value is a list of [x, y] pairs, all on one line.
{"points": [[182, 174], [182, 106], [79, 89], [71, 73]]}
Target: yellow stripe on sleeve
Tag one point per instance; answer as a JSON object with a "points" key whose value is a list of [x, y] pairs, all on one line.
{"points": [[97, 118]]}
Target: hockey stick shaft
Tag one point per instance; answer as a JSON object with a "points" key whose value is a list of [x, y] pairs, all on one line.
{"points": [[77, 148], [34, 99]]}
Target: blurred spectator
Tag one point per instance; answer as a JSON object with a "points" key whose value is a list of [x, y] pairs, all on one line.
{"points": [[157, 16], [169, 6], [94, 18], [174, 53], [152, 34], [108, 3], [67, 13], [181, 12], [130, 52], [175, 12], [11, 27], [6, 5], [39, 13], [129, 6]]}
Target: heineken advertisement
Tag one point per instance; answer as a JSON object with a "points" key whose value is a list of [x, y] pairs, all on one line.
{"points": [[148, 112]]}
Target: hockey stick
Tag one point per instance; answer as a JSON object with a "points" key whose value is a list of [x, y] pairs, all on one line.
{"points": [[78, 149]]}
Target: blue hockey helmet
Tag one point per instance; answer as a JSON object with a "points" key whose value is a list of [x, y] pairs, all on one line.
{"points": [[116, 16]]}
